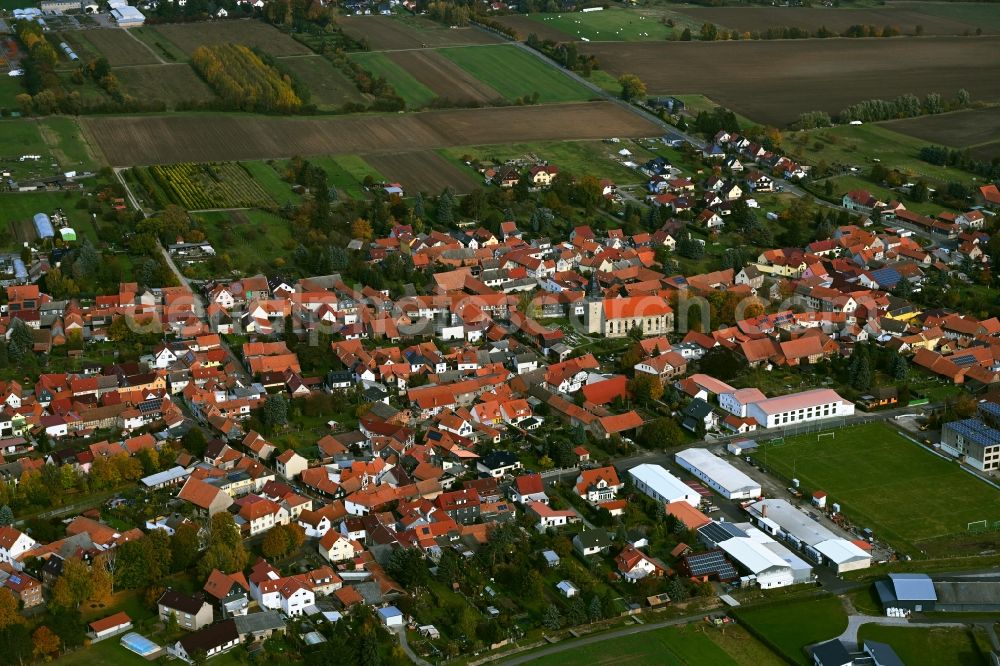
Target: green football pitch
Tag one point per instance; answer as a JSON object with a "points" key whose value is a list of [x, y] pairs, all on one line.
{"points": [[881, 480]]}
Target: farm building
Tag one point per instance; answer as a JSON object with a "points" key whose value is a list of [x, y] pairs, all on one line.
{"points": [[662, 486], [967, 595], [718, 474], [127, 17], [799, 408], [909, 591], [43, 226], [779, 517]]}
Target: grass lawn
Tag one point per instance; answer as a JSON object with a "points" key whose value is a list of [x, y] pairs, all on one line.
{"points": [[268, 177], [929, 646], [694, 644], [10, 88], [513, 73], [347, 173], [790, 626], [416, 94], [887, 483], [606, 81], [859, 145], [581, 158], [610, 25], [20, 207], [68, 146], [253, 239], [329, 88]]}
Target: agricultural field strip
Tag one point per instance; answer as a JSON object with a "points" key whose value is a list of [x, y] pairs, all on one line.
{"points": [[780, 79], [145, 140], [958, 129], [444, 77], [759, 19]]}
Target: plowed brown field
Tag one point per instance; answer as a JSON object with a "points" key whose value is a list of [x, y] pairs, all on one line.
{"points": [[143, 140], [445, 78], [423, 171], [774, 81]]}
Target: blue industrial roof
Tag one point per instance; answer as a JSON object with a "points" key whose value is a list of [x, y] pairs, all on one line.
{"points": [[913, 587], [975, 431], [43, 226]]}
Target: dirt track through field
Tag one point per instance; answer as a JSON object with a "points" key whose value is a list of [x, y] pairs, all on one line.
{"points": [[774, 81], [445, 78], [143, 140], [423, 171]]}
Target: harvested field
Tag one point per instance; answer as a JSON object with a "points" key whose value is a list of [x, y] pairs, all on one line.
{"points": [[141, 140], [327, 84], [189, 36], [446, 79], [170, 83], [778, 80], [387, 33], [114, 44], [423, 171], [987, 151], [759, 19], [960, 129]]}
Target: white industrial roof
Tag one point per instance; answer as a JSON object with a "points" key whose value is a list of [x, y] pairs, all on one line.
{"points": [[841, 551], [790, 558], [792, 520], [127, 13], [661, 481], [717, 469], [752, 554], [913, 587]]}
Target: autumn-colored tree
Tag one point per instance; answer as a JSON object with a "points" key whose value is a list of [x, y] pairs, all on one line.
{"points": [[9, 610], [361, 228], [296, 536], [646, 387], [275, 543], [46, 643], [74, 586]]}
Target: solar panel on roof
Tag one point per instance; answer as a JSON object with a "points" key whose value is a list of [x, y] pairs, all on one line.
{"points": [[705, 563], [964, 359]]}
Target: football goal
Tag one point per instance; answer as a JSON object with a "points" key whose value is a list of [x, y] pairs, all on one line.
{"points": [[978, 526], [831, 435]]}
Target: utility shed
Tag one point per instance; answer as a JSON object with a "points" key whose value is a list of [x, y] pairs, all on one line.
{"points": [[718, 474]]}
